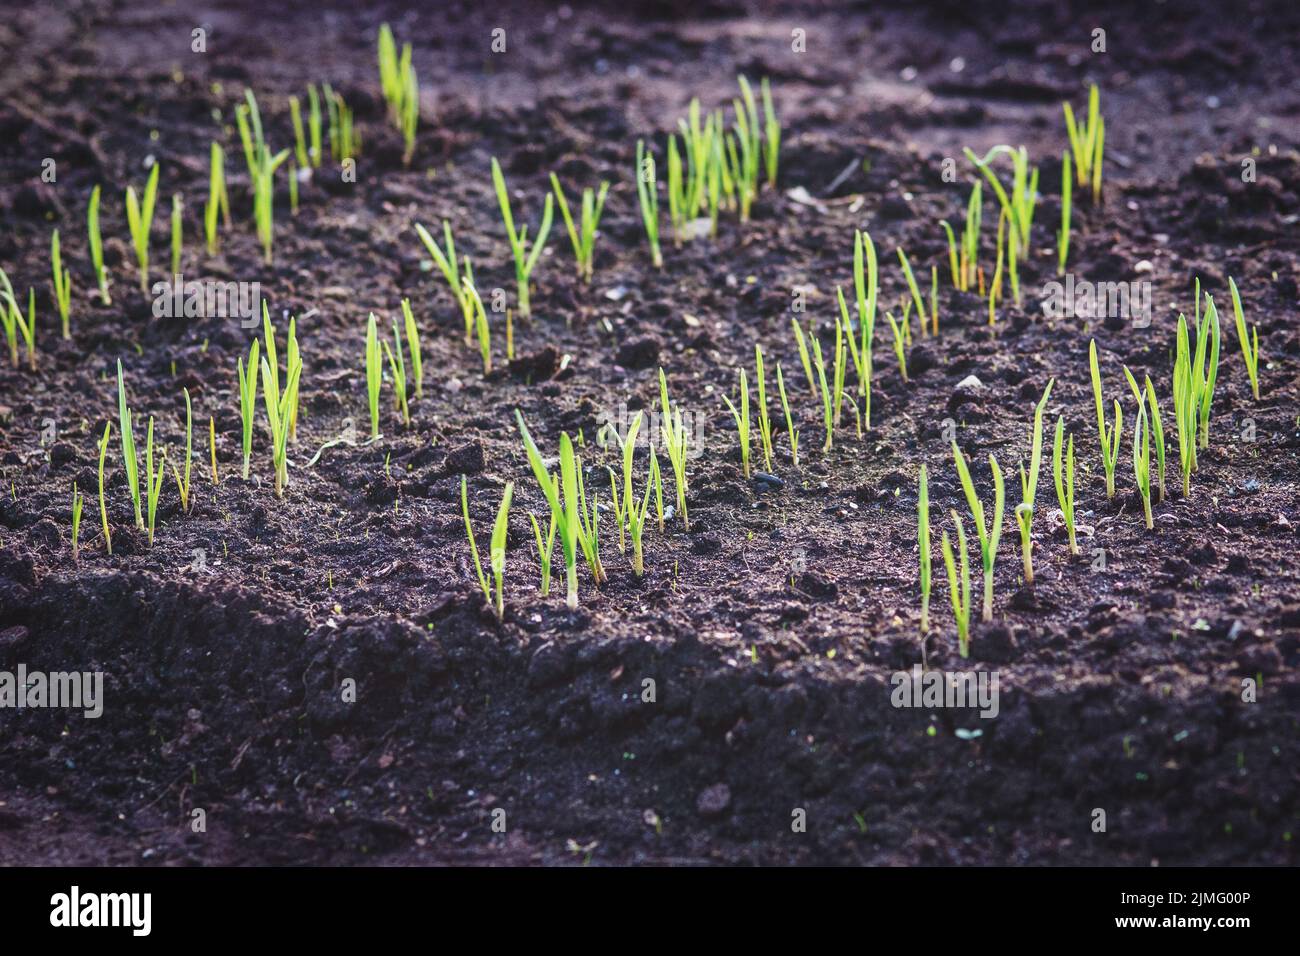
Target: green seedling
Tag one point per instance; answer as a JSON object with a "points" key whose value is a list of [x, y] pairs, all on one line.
{"points": [[278, 405], [97, 246], [802, 342], [544, 551], [299, 134], [103, 504], [78, 502], [212, 449], [1157, 427], [413, 347], [1142, 462], [1087, 142], [832, 390], [313, 126], [1029, 486], [218, 204], [630, 513], [771, 134], [525, 254], [913, 288], [1019, 206], [675, 442], [262, 166], [789, 421], [446, 262], [374, 374], [899, 332], [582, 234], [481, 327], [494, 589], [178, 239], [989, 535], [401, 89], [397, 368], [566, 510], [248, 400], [1249, 345], [741, 417], [958, 587], [139, 220], [764, 423], [62, 285], [1063, 235], [129, 462], [153, 479], [1063, 475], [923, 545], [866, 285], [648, 196], [1108, 435], [183, 481]]}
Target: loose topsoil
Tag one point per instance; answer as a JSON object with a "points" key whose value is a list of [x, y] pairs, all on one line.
{"points": [[771, 627]]}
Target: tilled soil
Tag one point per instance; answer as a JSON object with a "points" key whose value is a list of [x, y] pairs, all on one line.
{"points": [[770, 629]]}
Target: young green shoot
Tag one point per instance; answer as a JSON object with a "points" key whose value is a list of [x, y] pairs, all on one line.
{"points": [[413, 347], [790, 430], [566, 511], [78, 502], [899, 344], [1063, 476], [544, 551], [397, 368], [129, 461], [913, 288], [1063, 235], [958, 587], [771, 134], [676, 442], [139, 220], [1107, 434], [218, 203], [494, 588], [97, 246], [1087, 142], [374, 374], [153, 479], [1029, 486], [178, 239], [634, 516], [1249, 345], [866, 275], [248, 400], [481, 327], [741, 417], [1142, 462], [923, 545], [1019, 205], [446, 262], [1156, 426], [582, 234], [989, 535], [183, 480], [648, 197], [764, 423], [278, 405], [62, 285], [525, 254], [103, 504]]}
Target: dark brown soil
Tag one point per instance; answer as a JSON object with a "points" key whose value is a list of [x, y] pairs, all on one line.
{"points": [[772, 627]]}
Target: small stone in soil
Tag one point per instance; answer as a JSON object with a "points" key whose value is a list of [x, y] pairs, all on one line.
{"points": [[766, 482], [714, 801]]}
